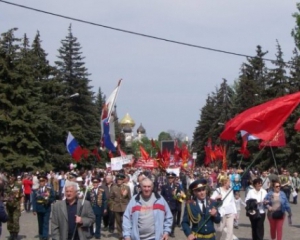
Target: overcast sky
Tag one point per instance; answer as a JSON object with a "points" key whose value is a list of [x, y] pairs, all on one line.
{"points": [[164, 85]]}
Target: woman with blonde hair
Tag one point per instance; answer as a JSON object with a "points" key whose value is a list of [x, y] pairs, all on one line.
{"points": [[227, 209]]}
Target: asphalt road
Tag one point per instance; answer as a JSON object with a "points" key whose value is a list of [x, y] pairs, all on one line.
{"points": [[29, 228]]}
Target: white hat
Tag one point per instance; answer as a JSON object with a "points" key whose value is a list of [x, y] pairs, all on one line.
{"points": [[79, 179]]}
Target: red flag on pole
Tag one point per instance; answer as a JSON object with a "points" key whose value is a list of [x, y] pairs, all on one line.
{"points": [[264, 120], [277, 141], [144, 153]]}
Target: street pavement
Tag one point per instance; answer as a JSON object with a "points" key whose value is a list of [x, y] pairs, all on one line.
{"points": [[29, 228]]}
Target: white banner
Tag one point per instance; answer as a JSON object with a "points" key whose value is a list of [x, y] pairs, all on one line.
{"points": [[174, 170], [116, 164]]}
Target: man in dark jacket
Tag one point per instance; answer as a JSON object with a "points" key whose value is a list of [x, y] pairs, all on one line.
{"points": [[169, 191]]}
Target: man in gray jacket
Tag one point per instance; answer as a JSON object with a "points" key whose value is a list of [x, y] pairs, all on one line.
{"points": [[72, 217]]}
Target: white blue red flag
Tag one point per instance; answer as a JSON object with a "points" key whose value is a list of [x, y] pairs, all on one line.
{"points": [[73, 147], [107, 121]]}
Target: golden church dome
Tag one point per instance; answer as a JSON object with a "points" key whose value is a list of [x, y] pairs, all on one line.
{"points": [[127, 121]]}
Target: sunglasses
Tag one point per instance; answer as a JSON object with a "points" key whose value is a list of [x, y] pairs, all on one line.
{"points": [[277, 186], [200, 189]]}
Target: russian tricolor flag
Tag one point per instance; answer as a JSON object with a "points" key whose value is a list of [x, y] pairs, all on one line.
{"points": [[107, 120], [73, 147]]}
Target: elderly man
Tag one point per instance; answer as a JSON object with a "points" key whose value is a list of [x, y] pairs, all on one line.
{"points": [[147, 215], [109, 217], [72, 216], [201, 212]]}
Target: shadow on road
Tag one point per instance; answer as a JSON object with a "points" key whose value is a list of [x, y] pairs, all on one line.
{"points": [[244, 225]]}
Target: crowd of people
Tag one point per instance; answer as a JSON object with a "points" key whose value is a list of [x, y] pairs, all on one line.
{"points": [[148, 204]]}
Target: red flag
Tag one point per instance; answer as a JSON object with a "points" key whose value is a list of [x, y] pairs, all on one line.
{"points": [[177, 152], [244, 151], [218, 153], [77, 154], [122, 153], [144, 154], [264, 120], [297, 125], [207, 159], [210, 150], [85, 153], [96, 153], [184, 154], [277, 141]]}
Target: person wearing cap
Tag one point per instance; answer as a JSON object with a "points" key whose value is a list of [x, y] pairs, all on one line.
{"points": [[169, 192], [98, 200], [13, 197], [41, 206], [147, 215], [201, 212], [118, 201]]}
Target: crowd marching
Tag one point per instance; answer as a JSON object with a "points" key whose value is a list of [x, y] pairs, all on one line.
{"points": [[147, 204]]}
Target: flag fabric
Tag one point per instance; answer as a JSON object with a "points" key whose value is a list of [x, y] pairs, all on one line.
{"points": [[185, 154], [207, 159], [248, 137], [107, 120], [224, 162], [73, 147], [218, 152], [277, 141], [264, 120], [122, 153], [107, 134], [144, 153], [96, 153], [297, 125], [177, 153], [210, 150]]}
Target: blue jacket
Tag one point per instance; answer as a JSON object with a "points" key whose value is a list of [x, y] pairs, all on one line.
{"points": [[41, 204], [3, 216], [285, 206], [93, 198], [167, 193], [162, 216], [195, 210]]}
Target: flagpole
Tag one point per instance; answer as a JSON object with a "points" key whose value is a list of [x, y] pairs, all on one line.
{"points": [[115, 99], [241, 161], [259, 153], [273, 157]]}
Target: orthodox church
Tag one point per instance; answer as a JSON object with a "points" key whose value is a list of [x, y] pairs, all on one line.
{"points": [[127, 125]]}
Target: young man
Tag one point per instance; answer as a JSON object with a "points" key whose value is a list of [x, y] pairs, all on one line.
{"points": [[147, 215], [71, 216], [201, 212]]}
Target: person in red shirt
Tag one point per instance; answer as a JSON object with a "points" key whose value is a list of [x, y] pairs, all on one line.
{"points": [[27, 185]]}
